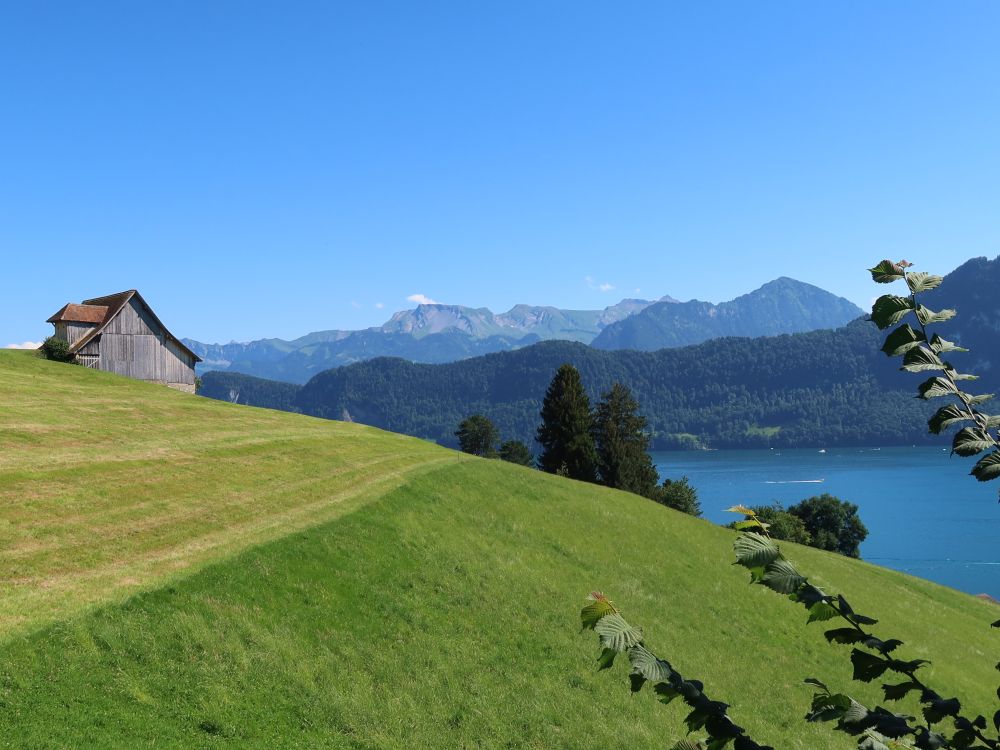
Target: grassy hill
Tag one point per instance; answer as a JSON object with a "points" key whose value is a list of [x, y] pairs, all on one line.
{"points": [[178, 572]]}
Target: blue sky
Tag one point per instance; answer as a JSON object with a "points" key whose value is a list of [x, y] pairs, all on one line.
{"points": [[269, 169]]}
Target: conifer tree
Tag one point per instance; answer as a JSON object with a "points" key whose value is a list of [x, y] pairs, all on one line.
{"points": [[565, 432], [623, 460]]}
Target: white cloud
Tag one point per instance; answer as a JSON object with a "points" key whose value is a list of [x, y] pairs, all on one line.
{"points": [[604, 286], [355, 305], [422, 299], [379, 305], [638, 290], [24, 345]]}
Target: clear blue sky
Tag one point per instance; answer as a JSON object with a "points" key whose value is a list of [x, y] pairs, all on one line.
{"points": [[272, 169]]}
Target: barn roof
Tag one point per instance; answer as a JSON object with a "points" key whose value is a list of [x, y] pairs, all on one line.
{"points": [[71, 313], [112, 304]]}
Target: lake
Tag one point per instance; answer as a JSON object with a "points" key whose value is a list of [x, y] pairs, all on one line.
{"points": [[925, 515]]}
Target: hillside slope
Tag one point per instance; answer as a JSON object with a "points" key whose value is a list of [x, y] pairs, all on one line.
{"points": [[441, 611]]}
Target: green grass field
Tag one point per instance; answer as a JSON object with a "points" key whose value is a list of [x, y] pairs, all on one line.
{"points": [[179, 572]]}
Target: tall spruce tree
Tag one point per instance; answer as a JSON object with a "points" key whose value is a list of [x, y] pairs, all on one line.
{"points": [[623, 460], [565, 432]]}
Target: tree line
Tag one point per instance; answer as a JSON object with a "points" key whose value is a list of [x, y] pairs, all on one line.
{"points": [[606, 445]]}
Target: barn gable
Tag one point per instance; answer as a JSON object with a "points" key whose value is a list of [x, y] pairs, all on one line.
{"points": [[120, 333]]}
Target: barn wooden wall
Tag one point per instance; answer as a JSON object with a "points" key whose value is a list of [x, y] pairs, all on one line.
{"points": [[133, 344], [72, 332]]}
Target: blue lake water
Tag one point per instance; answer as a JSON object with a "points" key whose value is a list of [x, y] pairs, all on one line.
{"points": [[925, 515]]}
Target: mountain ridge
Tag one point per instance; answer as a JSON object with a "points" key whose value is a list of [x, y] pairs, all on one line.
{"points": [[783, 305], [436, 333]]}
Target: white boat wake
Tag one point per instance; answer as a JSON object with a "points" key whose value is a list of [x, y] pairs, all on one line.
{"points": [[795, 481]]}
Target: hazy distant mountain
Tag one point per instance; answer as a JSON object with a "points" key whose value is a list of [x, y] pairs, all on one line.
{"points": [[780, 306], [429, 333], [435, 334]]}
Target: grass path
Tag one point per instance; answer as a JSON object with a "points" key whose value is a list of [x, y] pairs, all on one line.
{"points": [[109, 486]]}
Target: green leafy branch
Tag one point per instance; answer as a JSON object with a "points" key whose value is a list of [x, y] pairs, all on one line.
{"points": [[922, 352], [617, 636], [871, 657]]}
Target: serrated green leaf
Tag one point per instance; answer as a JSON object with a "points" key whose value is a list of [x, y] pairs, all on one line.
{"points": [[817, 683], [889, 309], [928, 740], [615, 633], [855, 713], [987, 468], [648, 666], [782, 577], [753, 550], [607, 658], [809, 594], [867, 666], [665, 693], [821, 611], [872, 743], [886, 272], [599, 607], [956, 375], [827, 706], [863, 619], [937, 709], [971, 440], [902, 340], [687, 745], [945, 417], [921, 281], [748, 524], [935, 387], [992, 421], [844, 635], [919, 359], [906, 667], [927, 316], [982, 398], [898, 691], [941, 345]]}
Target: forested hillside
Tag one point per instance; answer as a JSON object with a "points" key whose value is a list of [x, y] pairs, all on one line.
{"points": [[812, 389]]}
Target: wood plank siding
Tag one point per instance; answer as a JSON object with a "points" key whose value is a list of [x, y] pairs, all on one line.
{"points": [[72, 332]]}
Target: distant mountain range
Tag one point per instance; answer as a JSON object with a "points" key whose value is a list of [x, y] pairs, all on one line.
{"points": [[447, 333], [431, 333], [780, 306], [819, 388]]}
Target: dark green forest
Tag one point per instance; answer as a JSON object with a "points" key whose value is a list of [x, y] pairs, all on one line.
{"points": [[821, 388]]}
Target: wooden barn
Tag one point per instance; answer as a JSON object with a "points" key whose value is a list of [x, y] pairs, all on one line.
{"points": [[120, 333]]}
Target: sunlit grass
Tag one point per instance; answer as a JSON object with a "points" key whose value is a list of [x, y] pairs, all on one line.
{"points": [[441, 613]]}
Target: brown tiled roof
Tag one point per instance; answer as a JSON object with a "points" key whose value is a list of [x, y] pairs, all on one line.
{"points": [[80, 314]]}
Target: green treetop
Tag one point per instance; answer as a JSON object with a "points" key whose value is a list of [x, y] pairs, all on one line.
{"points": [[565, 432], [622, 444]]}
